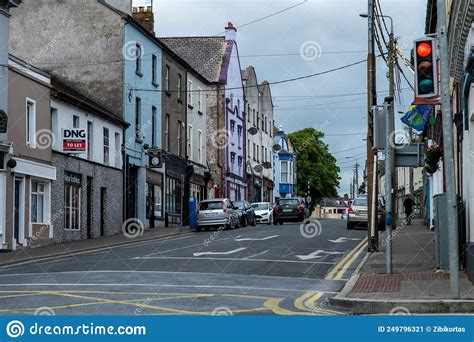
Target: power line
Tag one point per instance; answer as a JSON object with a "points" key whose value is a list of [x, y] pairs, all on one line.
{"points": [[349, 149]]}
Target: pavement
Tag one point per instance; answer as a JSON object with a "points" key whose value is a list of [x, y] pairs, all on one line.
{"points": [[415, 286], [290, 269]]}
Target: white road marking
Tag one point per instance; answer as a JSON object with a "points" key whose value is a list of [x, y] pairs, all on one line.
{"points": [[220, 253], [184, 247], [258, 254], [344, 239], [256, 239], [316, 254], [242, 259]]}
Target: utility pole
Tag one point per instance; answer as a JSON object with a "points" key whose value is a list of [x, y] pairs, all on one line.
{"points": [[449, 171], [388, 182], [357, 177], [371, 101]]}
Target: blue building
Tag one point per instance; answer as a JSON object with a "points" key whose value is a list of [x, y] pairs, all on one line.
{"points": [[284, 167]]}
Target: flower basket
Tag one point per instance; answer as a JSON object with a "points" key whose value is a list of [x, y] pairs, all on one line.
{"points": [[433, 155], [431, 169]]}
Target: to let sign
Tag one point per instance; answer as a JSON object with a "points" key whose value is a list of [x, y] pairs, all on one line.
{"points": [[74, 140]]}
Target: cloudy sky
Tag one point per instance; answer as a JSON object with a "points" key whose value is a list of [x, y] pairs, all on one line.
{"points": [[331, 33]]}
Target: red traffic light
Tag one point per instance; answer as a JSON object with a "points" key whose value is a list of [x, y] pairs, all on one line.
{"points": [[423, 49]]}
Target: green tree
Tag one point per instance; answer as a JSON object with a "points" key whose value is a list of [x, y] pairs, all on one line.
{"points": [[316, 166]]}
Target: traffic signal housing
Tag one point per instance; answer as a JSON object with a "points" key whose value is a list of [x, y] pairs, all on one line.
{"points": [[426, 68]]}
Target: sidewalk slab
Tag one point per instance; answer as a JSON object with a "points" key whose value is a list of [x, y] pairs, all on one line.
{"points": [[11, 258], [415, 286]]}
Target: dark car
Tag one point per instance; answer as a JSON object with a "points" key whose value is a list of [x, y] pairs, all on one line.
{"points": [[290, 209], [246, 213]]}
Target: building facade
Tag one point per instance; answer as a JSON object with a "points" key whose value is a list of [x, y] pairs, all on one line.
{"points": [[284, 167], [87, 199], [259, 110]]}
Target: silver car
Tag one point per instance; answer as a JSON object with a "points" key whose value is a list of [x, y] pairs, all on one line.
{"points": [[219, 212], [357, 213]]}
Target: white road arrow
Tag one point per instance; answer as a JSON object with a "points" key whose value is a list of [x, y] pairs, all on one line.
{"points": [[316, 254], [257, 239], [219, 253], [344, 239]]}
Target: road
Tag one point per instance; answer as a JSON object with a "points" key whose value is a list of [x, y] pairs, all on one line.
{"points": [[289, 269]]}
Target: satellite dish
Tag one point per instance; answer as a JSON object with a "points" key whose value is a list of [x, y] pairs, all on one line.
{"points": [[267, 165], [252, 130], [276, 147], [258, 168]]}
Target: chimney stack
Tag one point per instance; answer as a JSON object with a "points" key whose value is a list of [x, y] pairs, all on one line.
{"points": [[145, 16], [230, 32]]}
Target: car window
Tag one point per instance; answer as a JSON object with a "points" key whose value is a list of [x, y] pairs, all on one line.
{"points": [[260, 206], [210, 205], [360, 202], [240, 205], [289, 202]]}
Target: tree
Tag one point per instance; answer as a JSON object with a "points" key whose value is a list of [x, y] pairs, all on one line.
{"points": [[316, 166]]}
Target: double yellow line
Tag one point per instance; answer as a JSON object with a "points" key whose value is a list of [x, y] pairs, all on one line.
{"points": [[341, 267]]}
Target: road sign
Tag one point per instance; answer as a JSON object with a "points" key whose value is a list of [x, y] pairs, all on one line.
{"points": [[409, 155], [74, 140], [156, 158]]}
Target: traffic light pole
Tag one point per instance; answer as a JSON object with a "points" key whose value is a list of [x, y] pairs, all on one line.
{"points": [[447, 119], [372, 235]]}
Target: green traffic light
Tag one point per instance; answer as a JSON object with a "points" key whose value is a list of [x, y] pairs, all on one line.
{"points": [[425, 86]]}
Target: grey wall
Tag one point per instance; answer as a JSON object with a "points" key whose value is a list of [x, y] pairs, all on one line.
{"points": [[122, 5], [102, 177], [78, 41]]}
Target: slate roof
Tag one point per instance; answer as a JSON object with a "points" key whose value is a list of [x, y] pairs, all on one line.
{"points": [[204, 54]]}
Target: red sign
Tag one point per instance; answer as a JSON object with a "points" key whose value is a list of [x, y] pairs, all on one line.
{"points": [[75, 140]]}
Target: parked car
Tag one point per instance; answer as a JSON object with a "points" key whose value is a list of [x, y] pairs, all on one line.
{"points": [[219, 212], [290, 209], [263, 212], [246, 213], [357, 214]]}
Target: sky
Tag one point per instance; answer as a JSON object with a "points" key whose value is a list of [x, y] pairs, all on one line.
{"points": [[315, 36]]}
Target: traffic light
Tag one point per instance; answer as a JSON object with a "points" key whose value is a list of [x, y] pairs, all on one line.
{"points": [[426, 68]]}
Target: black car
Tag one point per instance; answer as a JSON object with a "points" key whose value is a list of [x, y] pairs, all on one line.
{"points": [[246, 213], [290, 209]]}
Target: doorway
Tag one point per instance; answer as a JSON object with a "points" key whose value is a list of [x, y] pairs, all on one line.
{"points": [[89, 207], [103, 205], [18, 211]]}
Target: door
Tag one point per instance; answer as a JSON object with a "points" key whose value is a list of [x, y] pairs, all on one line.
{"points": [[103, 205], [18, 210], [132, 179], [89, 207]]}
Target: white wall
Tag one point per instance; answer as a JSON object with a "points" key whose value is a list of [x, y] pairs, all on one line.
{"points": [[65, 113]]}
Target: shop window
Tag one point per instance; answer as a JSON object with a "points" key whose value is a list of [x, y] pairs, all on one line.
{"points": [[37, 202]]}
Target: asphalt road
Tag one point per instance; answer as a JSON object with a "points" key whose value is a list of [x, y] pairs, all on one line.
{"points": [[290, 269]]}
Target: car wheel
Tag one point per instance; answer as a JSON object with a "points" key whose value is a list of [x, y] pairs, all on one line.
{"points": [[281, 223], [198, 229], [254, 222], [349, 226], [244, 221]]}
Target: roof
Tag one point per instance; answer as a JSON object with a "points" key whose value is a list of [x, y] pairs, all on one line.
{"points": [[68, 93], [204, 54]]}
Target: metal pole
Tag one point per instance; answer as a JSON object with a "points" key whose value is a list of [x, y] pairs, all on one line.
{"points": [[388, 184], [357, 177], [374, 194], [371, 101], [449, 171]]}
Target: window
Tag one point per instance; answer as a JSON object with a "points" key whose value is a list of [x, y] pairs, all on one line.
{"points": [[72, 205], [173, 196], [37, 202], [90, 129], [117, 150], [178, 138], [178, 87], [258, 154], [254, 153], [153, 126], [248, 148], [190, 93], [138, 114], [138, 59], [238, 106], [167, 132], [265, 127], [248, 113], [232, 161], [31, 123], [263, 155], [241, 162], [254, 117], [154, 64], [200, 146], [75, 121], [190, 141], [232, 127], [167, 78], [258, 120], [239, 133], [106, 146], [199, 98], [284, 172], [266, 155]]}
